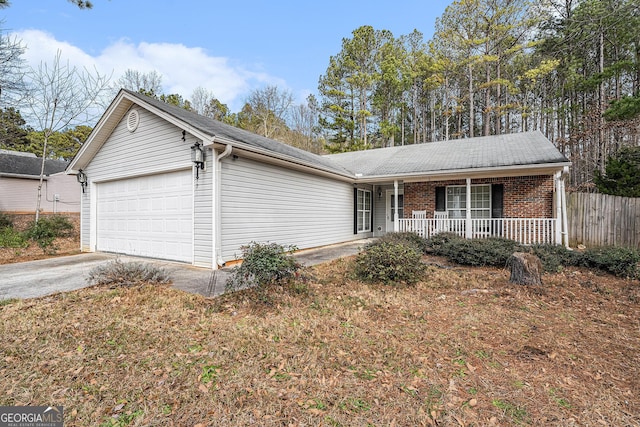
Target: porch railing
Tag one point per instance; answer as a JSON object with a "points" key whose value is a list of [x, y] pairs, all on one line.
{"points": [[527, 231]]}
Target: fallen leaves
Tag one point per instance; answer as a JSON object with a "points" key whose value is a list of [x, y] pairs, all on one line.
{"points": [[345, 353]]}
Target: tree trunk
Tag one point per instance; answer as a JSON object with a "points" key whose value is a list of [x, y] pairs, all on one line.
{"points": [[526, 269], [471, 112], [487, 102], [41, 181], [498, 114]]}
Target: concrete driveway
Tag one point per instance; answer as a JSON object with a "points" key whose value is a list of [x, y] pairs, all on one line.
{"points": [[67, 273]]}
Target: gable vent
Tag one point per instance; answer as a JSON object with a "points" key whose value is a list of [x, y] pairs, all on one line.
{"points": [[133, 119]]}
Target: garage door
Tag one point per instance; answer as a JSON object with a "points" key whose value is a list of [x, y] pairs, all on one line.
{"points": [[147, 216]]}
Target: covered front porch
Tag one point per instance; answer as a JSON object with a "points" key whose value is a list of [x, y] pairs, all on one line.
{"points": [[529, 210]]}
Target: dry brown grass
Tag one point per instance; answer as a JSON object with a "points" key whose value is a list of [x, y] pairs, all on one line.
{"points": [[462, 348]]}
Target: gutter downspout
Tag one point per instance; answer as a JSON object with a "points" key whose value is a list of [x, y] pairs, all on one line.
{"points": [[218, 203]]}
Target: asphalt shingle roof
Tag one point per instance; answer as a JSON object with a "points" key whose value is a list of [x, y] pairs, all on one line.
{"points": [[216, 128], [518, 149], [15, 163]]}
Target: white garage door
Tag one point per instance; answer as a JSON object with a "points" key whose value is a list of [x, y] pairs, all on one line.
{"points": [[147, 216]]}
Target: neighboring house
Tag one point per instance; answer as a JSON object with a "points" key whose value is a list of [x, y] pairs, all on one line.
{"points": [[19, 180], [144, 196]]}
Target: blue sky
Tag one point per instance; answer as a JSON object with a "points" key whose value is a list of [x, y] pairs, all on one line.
{"points": [[229, 48]]}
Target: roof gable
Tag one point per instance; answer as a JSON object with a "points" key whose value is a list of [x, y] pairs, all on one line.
{"points": [[207, 129], [521, 150]]}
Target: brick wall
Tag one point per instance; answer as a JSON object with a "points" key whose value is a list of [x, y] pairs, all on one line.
{"points": [[524, 196]]}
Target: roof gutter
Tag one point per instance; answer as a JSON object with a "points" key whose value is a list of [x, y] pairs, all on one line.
{"points": [[283, 158], [464, 173], [22, 175]]}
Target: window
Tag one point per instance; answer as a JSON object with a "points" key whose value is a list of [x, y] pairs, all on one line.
{"points": [[400, 206], [363, 211], [480, 201], [457, 201]]}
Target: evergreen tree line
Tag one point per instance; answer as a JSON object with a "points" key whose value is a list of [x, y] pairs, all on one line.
{"points": [[568, 68]]}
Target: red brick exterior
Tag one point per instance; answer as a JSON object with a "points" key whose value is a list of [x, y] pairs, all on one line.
{"points": [[524, 196]]}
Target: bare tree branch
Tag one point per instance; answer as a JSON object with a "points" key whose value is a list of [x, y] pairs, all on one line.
{"points": [[61, 96]]}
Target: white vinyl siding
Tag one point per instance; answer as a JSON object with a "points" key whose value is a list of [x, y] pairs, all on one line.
{"points": [[265, 203], [155, 147], [85, 220], [203, 215]]}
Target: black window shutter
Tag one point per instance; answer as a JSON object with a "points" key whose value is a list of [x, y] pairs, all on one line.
{"points": [[355, 211], [441, 199], [497, 196]]}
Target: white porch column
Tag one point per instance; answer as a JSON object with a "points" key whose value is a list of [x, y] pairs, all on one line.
{"points": [[565, 224], [468, 230], [396, 216], [558, 209]]}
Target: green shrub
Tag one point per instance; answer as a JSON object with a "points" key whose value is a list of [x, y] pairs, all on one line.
{"points": [[494, 251], [8, 301], [43, 234], [11, 238], [408, 238], [60, 224], [389, 262], [47, 229], [622, 262], [118, 273], [435, 242], [6, 220], [264, 264], [555, 257]]}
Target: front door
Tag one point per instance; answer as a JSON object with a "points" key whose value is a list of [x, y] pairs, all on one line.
{"points": [[391, 209]]}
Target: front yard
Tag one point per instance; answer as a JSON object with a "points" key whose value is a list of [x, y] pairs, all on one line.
{"points": [[463, 347]]}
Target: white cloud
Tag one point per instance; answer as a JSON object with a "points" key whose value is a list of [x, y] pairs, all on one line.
{"points": [[182, 68]]}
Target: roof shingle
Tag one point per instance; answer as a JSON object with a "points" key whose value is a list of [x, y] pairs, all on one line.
{"points": [[16, 163], [517, 149]]}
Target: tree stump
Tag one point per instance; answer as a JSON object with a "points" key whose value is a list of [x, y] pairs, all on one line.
{"points": [[526, 269]]}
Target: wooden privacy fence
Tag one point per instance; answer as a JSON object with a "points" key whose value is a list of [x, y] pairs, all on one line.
{"points": [[603, 220]]}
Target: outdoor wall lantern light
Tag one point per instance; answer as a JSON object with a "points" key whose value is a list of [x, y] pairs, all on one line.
{"points": [[197, 157], [379, 192], [82, 179]]}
